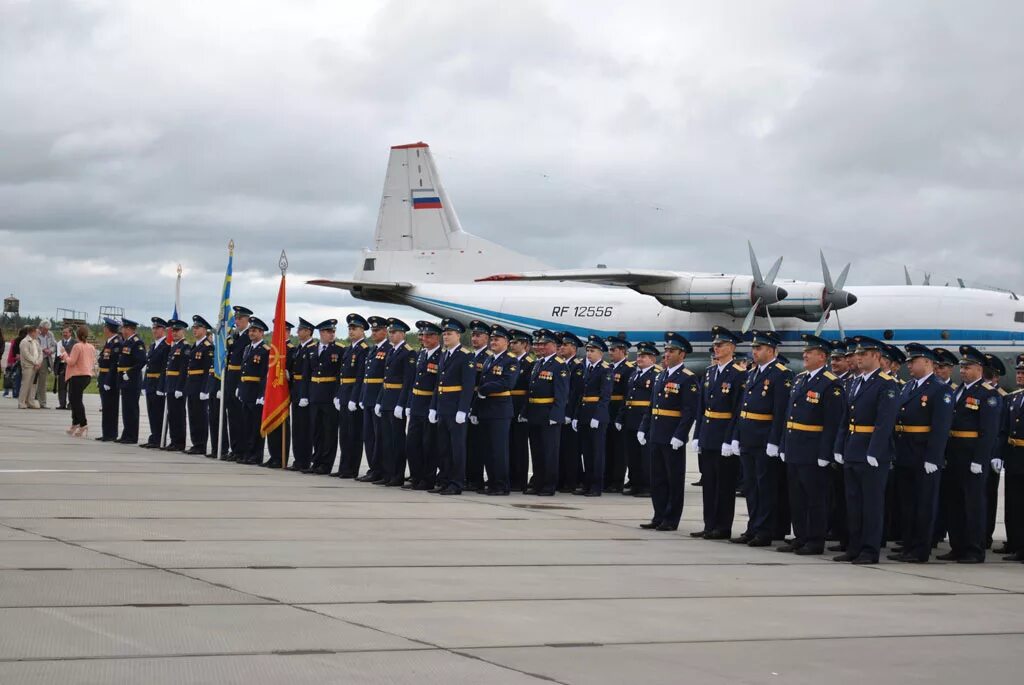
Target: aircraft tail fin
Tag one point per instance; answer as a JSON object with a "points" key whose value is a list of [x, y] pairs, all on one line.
{"points": [[418, 236]]}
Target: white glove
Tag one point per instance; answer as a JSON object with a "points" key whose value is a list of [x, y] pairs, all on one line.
{"points": [[160, 393], [997, 465], [304, 402], [106, 387], [594, 423], [362, 406], [735, 448], [676, 443], [727, 449], [143, 391], [408, 412], [238, 394], [376, 409], [574, 424], [337, 403], [399, 412], [695, 445], [618, 426], [822, 463], [873, 462], [522, 419], [259, 400], [641, 438], [481, 396], [568, 420], [352, 406], [552, 422], [771, 450], [474, 420], [178, 394], [782, 456], [124, 376], [838, 457], [204, 396], [930, 467], [460, 417], [975, 468], [432, 416]]}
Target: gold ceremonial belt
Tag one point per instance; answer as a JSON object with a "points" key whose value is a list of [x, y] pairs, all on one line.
{"points": [[169, 373], [196, 372], [124, 368], [152, 375], [755, 416], [422, 393], [901, 428], [861, 429], [638, 403], [805, 427], [618, 398], [234, 367], [590, 399], [542, 400], [449, 388], [102, 370], [964, 434], [717, 414], [518, 393], [251, 379], [674, 413], [324, 379], [297, 377], [392, 386], [1016, 442], [373, 381], [504, 393], [349, 380]]}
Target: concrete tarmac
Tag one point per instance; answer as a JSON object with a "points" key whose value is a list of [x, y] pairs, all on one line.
{"points": [[124, 565]]}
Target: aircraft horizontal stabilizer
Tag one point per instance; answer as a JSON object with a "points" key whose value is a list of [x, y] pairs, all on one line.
{"points": [[628, 278], [391, 286]]}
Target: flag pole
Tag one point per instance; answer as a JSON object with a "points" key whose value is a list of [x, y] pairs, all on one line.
{"points": [[167, 400], [222, 424], [283, 264]]}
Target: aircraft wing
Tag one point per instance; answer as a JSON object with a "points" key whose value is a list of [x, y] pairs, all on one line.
{"points": [[387, 286], [628, 278]]}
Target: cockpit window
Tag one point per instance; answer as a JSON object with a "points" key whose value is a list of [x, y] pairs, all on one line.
{"points": [[369, 262]]}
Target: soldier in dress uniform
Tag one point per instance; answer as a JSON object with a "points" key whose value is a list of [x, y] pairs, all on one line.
{"points": [[592, 416], [350, 417], [545, 412], [721, 393], [944, 367], [279, 439], [450, 406], [814, 418], [107, 379], [519, 431], [480, 340], [302, 419], [675, 398], [615, 438], [174, 385], [756, 438], [153, 382], [194, 385], [972, 438], [842, 367], [131, 357], [993, 374], [922, 429], [891, 363], [251, 385], [231, 432], [399, 374], [373, 383], [492, 409], [324, 369], [421, 440], [1012, 456], [638, 401], [865, 451], [569, 444]]}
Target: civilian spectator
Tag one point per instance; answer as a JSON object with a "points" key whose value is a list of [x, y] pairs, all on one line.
{"points": [[78, 370], [67, 342], [31, 361], [48, 346]]}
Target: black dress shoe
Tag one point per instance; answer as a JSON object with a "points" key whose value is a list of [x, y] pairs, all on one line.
{"points": [[395, 483], [195, 450], [147, 445], [717, 535], [435, 490], [653, 525], [408, 486], [450, 490], [592, 493], [423, 486], [545, 493], [896, 556], [948, 556], [379, 481], [211, 455], [970, 560], [294, 467], [627, 491], [760, 541], [497, 493], [741, 539], [698, 534], [667, 526], [366, 478], [845, 556], [864, 559], [272, 464], [789, 547], [837, 548], [530, 491], [807, 551], [897, 550], [613, 488]]}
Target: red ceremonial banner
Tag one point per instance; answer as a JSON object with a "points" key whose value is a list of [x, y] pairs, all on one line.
{"points": [[276, 400]]}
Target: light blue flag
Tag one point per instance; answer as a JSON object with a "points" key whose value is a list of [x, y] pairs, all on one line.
{"points": [[225, 321]]}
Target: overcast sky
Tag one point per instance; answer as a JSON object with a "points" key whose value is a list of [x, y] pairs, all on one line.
{"points": [[136, 136]]}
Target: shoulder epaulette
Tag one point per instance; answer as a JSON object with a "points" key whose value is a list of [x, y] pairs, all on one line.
{"points": [[605, 365], [688, 372], [489, 353], [829, 375], [289, 345], [738, 367], [954, 386], [207, 342], [659, 368], [1002, 392], [467, 350], [630, 364], [883, 375], [559, 359], [780, 366], [1014, 392], [531, 357], [988, 386]]}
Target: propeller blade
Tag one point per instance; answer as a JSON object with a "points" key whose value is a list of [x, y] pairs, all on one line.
{"points": [[829, 286], [822, 320], [768, 315], [842, 277], [748, 320], [961, 282], [927, 279], [906, 274], [774, 271], [755, 269], [842, 333]]}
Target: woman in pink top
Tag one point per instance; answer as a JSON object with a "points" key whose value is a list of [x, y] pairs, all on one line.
{"points": [[78, 372]]}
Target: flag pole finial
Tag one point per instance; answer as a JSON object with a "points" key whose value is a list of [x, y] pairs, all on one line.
{"points": [[283, 262], [179, 269], [231, 246]]}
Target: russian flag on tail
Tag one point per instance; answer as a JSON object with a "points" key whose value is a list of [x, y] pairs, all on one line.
{"points": [[425, 199]]}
